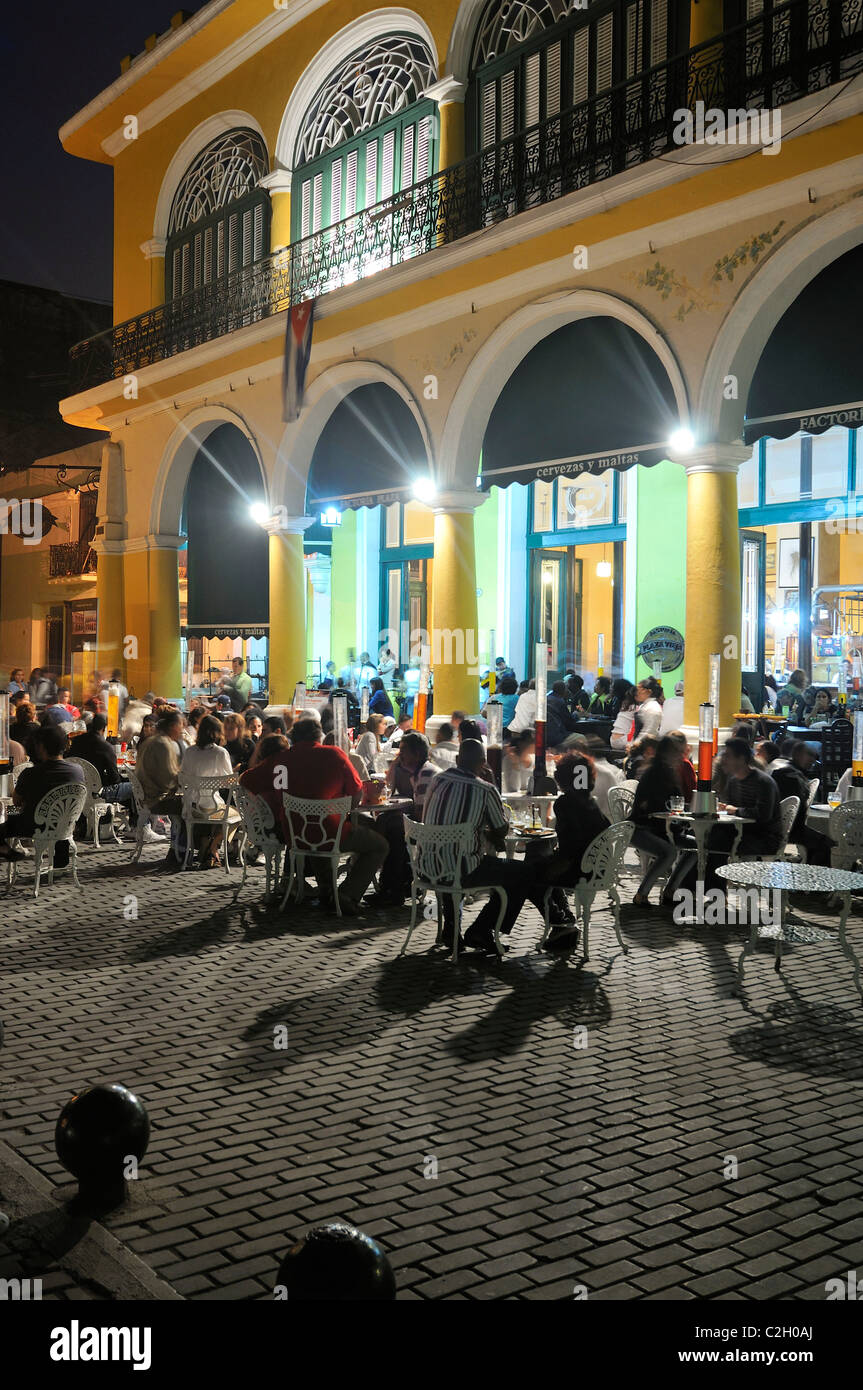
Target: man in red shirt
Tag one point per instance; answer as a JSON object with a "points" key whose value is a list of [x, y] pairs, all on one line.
{"points": [[312, 769]]}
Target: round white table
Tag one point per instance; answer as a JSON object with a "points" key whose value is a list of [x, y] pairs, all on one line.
{"points": [[701, 827], [518, 837], [782, 877]]}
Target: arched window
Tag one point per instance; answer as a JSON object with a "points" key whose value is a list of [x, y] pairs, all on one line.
{"points": [[533, 59], [219, 218], [368, 133]]}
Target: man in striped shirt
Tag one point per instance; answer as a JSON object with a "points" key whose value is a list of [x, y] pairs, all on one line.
{"points": [[459, 796]]}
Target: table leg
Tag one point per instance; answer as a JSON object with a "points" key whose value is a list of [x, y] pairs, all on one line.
{"points": [[847, 949], [777, 945], [750, 946]]}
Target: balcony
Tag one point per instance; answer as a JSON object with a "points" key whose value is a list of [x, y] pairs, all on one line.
{"points": [[780, 56], [72, 560]]}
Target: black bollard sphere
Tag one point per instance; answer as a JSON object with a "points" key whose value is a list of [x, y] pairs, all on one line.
{"points": [[99, 1129], [336, 1262]]}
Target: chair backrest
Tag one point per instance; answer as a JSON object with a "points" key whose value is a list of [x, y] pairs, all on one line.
{"points": [[631, 783], [315, 826], [359, 765], [92, 780], [814, 784], [258, 818], [846, 831], [437, 851], [788, 808], [620, 801], [196, 789], [58, 810], [835, 752], [16, 771], [603, 859]]}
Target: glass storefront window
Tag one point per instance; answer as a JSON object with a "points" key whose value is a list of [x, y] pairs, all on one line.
{"points": [[830, 463], [542, 504], [747, 481], [392, 532], [585, 500], [782, 483], [622, 485]]}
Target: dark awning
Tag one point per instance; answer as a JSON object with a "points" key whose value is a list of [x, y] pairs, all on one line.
{"points": [[591, 396], [810, 375], [228, 552], [370, 452]]}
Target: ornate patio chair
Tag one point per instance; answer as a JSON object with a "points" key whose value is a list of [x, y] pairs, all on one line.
{"points": [[846, 832], [602, 863], [195, 790], [620, 802], [312, 838], [95, 808], [430, 850], [259, 824], [54, 818]]}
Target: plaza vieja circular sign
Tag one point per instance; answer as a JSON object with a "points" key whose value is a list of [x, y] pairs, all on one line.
{"points": [[663, 644]]}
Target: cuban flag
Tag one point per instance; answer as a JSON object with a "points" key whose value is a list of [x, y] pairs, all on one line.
{"points": [[298, 348]]}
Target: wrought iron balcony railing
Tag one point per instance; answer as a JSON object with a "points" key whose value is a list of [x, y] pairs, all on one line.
{"points": [[71, 559], [783, 54]]}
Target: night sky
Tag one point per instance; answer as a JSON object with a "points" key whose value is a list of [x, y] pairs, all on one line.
{"points": [[56, 218]]}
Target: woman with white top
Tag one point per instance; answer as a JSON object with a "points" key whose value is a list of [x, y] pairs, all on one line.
{"points": [[208, 758], [368, 745], [622, 696], [648, 714]]}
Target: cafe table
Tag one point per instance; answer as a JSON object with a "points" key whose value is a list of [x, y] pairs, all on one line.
{"points": [[701, 827], [395, 803], [783, 877], [818, 816], [519, 837]]}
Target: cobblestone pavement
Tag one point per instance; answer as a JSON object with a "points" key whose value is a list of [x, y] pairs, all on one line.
{"points": [[462, 1115]]}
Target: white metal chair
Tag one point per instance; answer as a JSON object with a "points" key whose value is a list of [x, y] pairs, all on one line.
{"points": [[846, 832], [814, 784], [432, 872], [54, 819], [359, 765], [200, 807], [620, 802], [95, 807], [312, 838], [788, 808], [16, 772], [601, 863], [259, 824]]}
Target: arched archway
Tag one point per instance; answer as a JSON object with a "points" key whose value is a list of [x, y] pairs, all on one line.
{"points": [[758, 309], [337, 48], [190, 435], [490, 370], [193, 145]]}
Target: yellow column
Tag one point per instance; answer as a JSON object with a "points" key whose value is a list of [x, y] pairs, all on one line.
{"points": [[154, 251], [713, 620], [287, 646], [454, 635], [278, 185], [449, 94], [166, 677], [109, 606]]}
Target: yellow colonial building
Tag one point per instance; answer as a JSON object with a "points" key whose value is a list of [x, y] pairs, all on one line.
{"points": [[585, 364]]}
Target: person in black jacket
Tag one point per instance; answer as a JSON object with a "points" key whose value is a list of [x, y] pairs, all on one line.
{"points": [[95, 748], [559, 721], [792, 779], [49, 771], [660, 781]]}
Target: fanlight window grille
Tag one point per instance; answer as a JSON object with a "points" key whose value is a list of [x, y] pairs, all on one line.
{"points": [[219, 218], [369, 134], [374, 84], [508, 23]]}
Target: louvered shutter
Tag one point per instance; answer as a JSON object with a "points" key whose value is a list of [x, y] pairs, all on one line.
{"points": [[489, 115], [507, 105], [351, 185], [634, 20], [408, 140], [659, 31], [552, 79], [306, 209], [317, 201], [336, 191], [580, 66], [531, 91], [424, 130], [604, 53], [258, 234], [388, 163], [209, 269], [371, 173]]}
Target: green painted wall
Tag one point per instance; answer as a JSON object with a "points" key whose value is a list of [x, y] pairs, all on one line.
{"points": [[487, 571], [661, 557], [344, 588]]}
